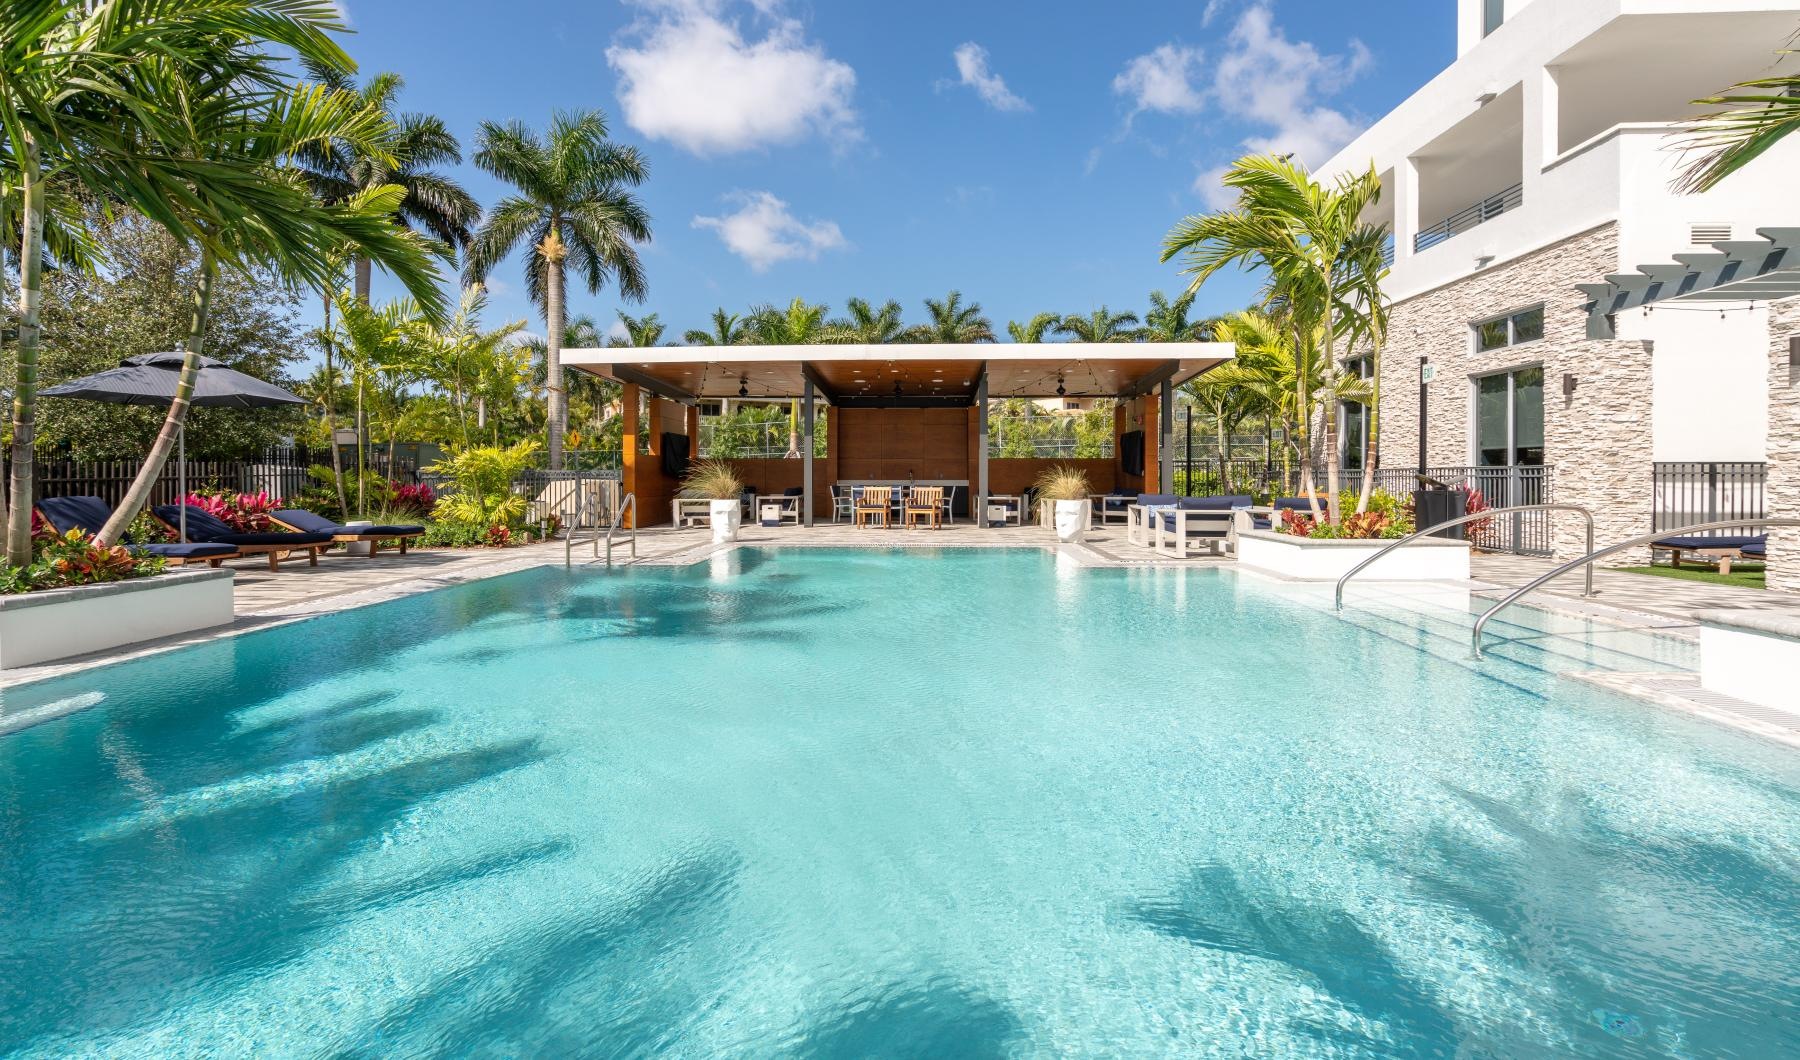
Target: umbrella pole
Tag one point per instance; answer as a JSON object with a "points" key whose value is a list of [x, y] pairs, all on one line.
{"points": [[181, 477]]}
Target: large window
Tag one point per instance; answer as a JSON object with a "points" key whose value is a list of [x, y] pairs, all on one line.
{"points": [[1493, 12], [1513, 329], [1509, 418]]}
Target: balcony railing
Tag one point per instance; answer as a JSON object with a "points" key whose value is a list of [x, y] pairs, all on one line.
{"points": [[1468, 217]]}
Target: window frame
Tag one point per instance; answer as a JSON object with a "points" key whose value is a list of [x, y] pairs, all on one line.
{"points": [[1510, 319], [1493, 16], [1510, 373]]}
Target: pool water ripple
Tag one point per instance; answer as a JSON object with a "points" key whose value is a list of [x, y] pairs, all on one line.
{"points": [[865, 803]]}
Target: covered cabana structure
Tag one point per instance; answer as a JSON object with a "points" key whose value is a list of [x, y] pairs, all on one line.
{"points": [[900, 412]]}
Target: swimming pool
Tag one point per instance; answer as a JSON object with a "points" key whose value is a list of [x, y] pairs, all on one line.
{"points": [[851, 803]]}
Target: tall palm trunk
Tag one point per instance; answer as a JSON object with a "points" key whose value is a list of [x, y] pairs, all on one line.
{"points": [[31, 296], [137, 495], [556, 401], [337, 458], [1370, 449], [362, 456], [1329, 376], [1303, 400], [364, 279]]}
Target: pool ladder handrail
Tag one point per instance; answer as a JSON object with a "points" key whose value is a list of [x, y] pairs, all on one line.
{"points": [[1596, 554], [1476, 517], [628, 504]]}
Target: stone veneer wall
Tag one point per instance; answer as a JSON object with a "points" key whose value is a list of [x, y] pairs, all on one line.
{"points": [[1782, 497], [1598, 441]]}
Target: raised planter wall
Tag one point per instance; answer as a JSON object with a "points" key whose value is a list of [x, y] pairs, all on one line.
{"points": [[1751, 655], [1303, 559], [61, 623]]}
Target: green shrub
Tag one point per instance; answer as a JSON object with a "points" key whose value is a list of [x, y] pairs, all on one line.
{"points": [[480, 490]]}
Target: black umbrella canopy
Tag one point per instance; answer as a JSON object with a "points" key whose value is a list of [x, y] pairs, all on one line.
{"points": [[149, 379]]}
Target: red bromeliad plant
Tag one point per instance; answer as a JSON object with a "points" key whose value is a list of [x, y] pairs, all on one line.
{"points": [[1296, 525], [415, 500], [1476, 502], [499, 536], [247, 513]]}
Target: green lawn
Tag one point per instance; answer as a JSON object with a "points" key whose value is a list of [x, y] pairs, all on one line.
{"points": [[1749, 575]]}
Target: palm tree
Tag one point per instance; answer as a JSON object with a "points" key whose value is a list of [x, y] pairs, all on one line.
{"points": [[339, 169], [469, 362], [639, 331], [951, 321], [1032, 330], [1368, 314], [799, 324], [1299, 231], [72, 113], [870, 326], [574, 208], [376, 341], [728, 329], [1168, 321], [1760, 114], [1100, 326]]}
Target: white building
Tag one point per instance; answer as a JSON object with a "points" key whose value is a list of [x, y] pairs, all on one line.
{"points": [[1546, 157]]}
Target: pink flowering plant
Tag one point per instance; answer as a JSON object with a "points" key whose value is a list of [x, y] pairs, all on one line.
{"points": [[246, 513]]}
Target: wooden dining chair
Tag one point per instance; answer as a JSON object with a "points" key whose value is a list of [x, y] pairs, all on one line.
{"points": [[924, 503], [873, 502]]}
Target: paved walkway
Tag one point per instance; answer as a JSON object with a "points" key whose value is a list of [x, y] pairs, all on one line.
{"points": [[1646, 593]]}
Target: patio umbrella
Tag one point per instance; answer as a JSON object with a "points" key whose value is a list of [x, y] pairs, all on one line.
{"points": [[150, 378]]}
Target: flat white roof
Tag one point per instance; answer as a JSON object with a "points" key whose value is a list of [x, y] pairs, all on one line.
{"points": [[939, 371]]}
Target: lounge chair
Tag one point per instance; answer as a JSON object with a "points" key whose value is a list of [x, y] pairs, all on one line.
{"points": [[1114, 507], [302, 521], [1197, 522], [202, 526], [1722, 549], [924, 503], [841, 507], [89, 514], [873, 502]]}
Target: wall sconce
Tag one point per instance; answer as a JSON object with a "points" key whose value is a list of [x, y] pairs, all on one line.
{"points": [[1569, 385]]}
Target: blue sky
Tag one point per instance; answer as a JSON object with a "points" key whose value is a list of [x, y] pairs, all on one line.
{"points": [[898, 150]]}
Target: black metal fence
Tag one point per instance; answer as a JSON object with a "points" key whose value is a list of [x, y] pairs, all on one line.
{"points": [[584, 497], [281, 472], [1523, 533], [1707, 492]]}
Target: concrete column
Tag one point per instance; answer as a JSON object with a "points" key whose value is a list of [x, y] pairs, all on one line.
{"points": [[806, 455], [981, 452], [1406, 207], [628, 401], [1541, 135], [1165, 449]]}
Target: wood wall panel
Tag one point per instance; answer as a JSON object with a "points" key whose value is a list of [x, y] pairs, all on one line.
{"points": [[903, 443]]}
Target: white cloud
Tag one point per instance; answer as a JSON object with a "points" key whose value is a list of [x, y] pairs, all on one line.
{"points": [[764, 232], [1162, 81], [972, 70], [1258, 78], [689, 74]]}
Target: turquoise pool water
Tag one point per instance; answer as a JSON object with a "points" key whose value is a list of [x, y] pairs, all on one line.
{"points": [[860, 803]]}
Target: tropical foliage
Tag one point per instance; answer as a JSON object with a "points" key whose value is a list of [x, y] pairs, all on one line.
{"points": [[479, 493]]}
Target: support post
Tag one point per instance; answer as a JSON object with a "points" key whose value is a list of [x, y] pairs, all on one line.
{"points": [[628, 443], [1165, 453], [981, 452], [806, 455]]}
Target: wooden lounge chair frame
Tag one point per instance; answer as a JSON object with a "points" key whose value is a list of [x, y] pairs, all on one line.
{"points": [[872, 501], [1721, 556], [274, 552], [924, 503], [352, 538]]}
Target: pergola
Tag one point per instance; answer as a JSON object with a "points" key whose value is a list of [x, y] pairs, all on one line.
{"points": [[902, 411]]}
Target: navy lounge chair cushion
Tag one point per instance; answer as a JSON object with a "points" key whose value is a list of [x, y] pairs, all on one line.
{"points": [[1741, 542], [75, 513], [1214, 504], [191, 550], [1210, 529], [1148, 499], [1298, 504], [794, 491], [201, 526], [312, 523]]}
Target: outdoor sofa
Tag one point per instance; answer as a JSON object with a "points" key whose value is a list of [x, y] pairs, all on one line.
{"points": [[302, 521], [202, 526], [1198, 522], [89, 515]]}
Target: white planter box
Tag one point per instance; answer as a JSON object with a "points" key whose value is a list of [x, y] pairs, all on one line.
{"points": [[1072, 519], [726, 517], [1752, 656], [60, 623], [1303, 559]]}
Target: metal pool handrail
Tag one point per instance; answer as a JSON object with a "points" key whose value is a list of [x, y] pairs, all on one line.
{"points": [[1477, 517], [629, 504], [1595, 554]]}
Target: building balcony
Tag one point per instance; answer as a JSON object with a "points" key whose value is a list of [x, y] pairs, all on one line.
{"points": [[1469, 217]]}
